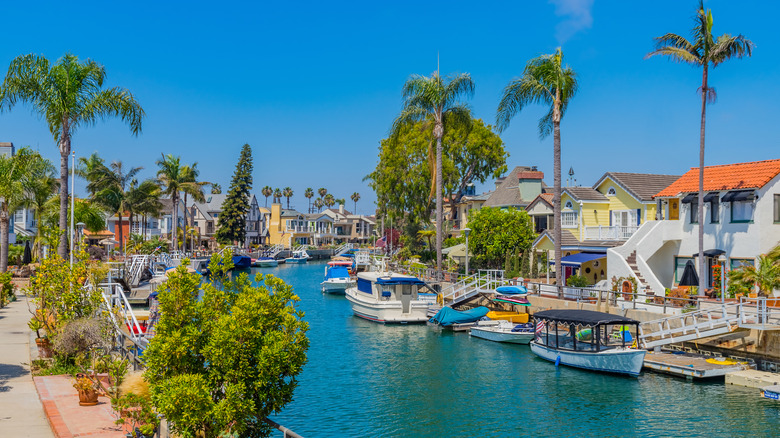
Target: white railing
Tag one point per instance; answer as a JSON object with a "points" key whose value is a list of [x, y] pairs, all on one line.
{"points": [[274, 250], [343, 249], [116, 301], [690, 326], [138, 263], [482, 281], [610, 232]]}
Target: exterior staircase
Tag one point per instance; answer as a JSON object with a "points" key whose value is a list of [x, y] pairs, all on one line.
{"points": [[343, 249], [273, 251], [631, 259], [471, 286], [137, 265]]}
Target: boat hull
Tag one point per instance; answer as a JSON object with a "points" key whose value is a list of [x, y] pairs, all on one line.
{"points": [[296, 260], [387, 312], [242, 262], [619, 361], [267, 263], [499, 335], [336, 286]]}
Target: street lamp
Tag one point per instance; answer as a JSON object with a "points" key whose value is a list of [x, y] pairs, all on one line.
{"points": [[466, 231], [722, 260], [72, 203]]}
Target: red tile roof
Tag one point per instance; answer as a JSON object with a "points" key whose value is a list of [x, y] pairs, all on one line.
{"points": [[530, 174], [751, 175]]}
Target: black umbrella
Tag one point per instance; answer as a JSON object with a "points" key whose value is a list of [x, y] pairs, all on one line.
{"points": [[689, 277], [27, 256]]}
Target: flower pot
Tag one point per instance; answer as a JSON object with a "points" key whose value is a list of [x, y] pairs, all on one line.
{"points": [[88, 397], [44, 347], [752, 295]]}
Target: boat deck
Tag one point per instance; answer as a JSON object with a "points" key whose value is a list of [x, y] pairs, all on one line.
{"points": [[692, 365]]}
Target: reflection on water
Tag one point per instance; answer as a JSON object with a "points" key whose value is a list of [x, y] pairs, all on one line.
{"points": [[371, 380]]}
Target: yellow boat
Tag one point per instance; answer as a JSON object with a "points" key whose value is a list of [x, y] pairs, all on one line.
{"points": [[517, 318]]}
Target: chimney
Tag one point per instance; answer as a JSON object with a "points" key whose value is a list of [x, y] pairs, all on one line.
{"points": [[341, 208], [530, 183]]}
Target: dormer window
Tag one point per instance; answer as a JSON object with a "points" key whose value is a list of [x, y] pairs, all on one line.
{"points": [[611, 191], [569, 205]]}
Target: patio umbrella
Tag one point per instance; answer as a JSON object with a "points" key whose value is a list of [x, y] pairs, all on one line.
{"points": [[689, 277], [27, 256]]}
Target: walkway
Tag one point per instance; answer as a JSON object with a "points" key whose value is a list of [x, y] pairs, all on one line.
{"points": [[21, 411]]}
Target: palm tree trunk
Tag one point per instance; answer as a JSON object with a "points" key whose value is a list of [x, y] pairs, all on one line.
{"points": [[439, 131], [175, 222], [700, 206], [39, 236], [557, 195], [121, 234], [184, 235], [4, 239], [130, 223], [62, 249]]}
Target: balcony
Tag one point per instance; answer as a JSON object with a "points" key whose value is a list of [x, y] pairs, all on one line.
{"points": [[610, 232]]}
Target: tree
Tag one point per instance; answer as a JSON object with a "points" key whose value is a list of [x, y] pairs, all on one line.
{"points": [[705, 50], [17, 175], [110, 185], [220, 365], [88, 166], [435, 99], [172, 177], [355, 197], [194, 188], [142, 199], [267, 191], [216, 189], [322, 191], [287, 193], [42, 188], [329, 200], [309, 193], [496, 232], [766, 275], [548, 81], [318, 204], [68, 95], [232, 220]]}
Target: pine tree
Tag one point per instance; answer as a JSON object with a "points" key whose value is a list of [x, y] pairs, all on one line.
{"points": [[535, 265], [232, 220], [525, 270]]}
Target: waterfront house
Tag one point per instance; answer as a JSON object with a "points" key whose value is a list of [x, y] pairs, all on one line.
{"points": [[206, 218], [541, 212], [291, 228], [350, 228], [469, 202], [594, 219], [741, 221], [517, 189]]}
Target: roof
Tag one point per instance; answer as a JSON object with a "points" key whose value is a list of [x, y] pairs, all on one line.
{"points": [[288, 213], [584, 193], [471, 198], [507, 192], [213, 202], [316, 216], [569, 240], [530, 174], [576, 260], [642, 186], [544, 197], [752, 175], [583, 316]]}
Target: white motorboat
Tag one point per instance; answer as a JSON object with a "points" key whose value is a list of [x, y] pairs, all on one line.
{"points": [[590, 340], [388, 298], [337, 280], [265, 262], [503, 331], [299, 256]]}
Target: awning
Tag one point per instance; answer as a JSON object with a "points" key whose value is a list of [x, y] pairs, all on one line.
{"points": [[711, 253], [576, 260], [739, 195], [711, 196], [689, 198]]}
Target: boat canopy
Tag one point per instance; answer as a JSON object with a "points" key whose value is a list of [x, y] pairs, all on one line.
{"points": [[448, 316], [588, 317], [512, 290], [399, 280], [337, 272], [576, 260]]}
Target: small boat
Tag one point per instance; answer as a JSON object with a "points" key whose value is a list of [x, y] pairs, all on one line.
{"points": [[503, 331], [337, 280], [512, 290], [388, 298], [517, 300], [300, 256], [771, 392], [241, 262], [515, 317], [586, 339], [265, 262], [458, 319]]}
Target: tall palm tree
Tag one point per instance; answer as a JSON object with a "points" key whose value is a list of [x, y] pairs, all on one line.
{"points": [[309, 193], [435, 99], [267, 191], [318, 204], [110, 187], [141, 199], [329, 200], [172, 177], [355, 198], [705, 50], [548, 81], [216, 189], [16, 179], [68, 95], [287, 193], [277, 195], [87, 167], [322, 191], [42, 189], [194, 188]]}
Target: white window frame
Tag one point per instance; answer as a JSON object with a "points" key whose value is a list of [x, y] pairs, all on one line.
{"points": [[611, 191], [744, 208], [569, 219]]}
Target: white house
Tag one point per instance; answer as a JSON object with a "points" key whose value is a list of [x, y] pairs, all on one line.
{"points": [[741, 221], [207, 214]]}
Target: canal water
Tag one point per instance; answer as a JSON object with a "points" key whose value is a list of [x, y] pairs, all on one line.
{"points": [[365, 379]]}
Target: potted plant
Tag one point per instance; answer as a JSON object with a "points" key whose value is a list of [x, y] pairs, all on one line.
{"points": [[88, 395], [136, 411], [42, 342]]}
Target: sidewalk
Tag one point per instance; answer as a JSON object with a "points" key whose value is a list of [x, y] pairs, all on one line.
{"points": [[21, 411]]}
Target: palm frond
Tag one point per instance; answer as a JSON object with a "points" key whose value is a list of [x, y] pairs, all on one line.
{"points": [[677, 55], [727, 47], [114, 102]]}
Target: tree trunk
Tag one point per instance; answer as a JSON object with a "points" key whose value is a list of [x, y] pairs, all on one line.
{"points": [[64, 145], [130, 223], [184, 234], [700, 206], [438, 132], [557, 191], [39, 235], [121, 234], [4, 239], [143, 228], [175, 222]]}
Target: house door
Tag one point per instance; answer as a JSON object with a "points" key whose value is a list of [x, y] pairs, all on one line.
{"points": [[674, 209]]}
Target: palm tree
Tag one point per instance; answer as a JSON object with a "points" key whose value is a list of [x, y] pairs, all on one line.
{"points": [[68, 95], [705, 50], [110, 187], [267, 191], [172, 177], [309, 193], [322, 191], [142, 198], [355, 198], [216, 189], [545, 80], [16, 177], [435, 99], [329, 200], [87, 166], [43, 187], [288, 193], [766, 276], [277, 195], [192, 187], [318, 203]]}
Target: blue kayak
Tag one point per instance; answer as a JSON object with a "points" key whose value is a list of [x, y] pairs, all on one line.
{"points": [[512, 290]]}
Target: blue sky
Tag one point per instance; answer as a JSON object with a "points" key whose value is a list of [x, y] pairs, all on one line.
{"points": [[314, 86]]}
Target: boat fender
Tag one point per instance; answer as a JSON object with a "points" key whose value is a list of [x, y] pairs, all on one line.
{"points": [[557, 361]]}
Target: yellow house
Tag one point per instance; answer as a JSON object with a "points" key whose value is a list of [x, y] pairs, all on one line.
{"points": [[291, 228], [603, 216]]}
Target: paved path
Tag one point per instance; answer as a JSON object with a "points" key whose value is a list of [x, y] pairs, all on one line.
{"points": [[21, 411]]}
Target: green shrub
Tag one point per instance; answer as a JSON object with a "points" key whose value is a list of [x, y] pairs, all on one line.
{"points": [[577, 281]]}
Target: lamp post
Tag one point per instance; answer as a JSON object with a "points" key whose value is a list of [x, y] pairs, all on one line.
{"points": [[72, 203], [466, 231], [722, 260]]}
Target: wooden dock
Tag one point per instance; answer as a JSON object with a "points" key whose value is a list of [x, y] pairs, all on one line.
{"points": [[692, 365]]}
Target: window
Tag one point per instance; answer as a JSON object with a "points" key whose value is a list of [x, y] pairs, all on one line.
{"points": [[777, 209], [19, 216], [715, 210], [611, 191], [694, 206], [738, 263], [680, 267], [568, 205], [742, 211], [569, 219]]}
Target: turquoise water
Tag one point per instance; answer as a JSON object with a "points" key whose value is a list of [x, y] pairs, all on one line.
{"points": [[370, 380]]}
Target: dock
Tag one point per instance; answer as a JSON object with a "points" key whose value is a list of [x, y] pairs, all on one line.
{"points": [[692, 366], [753, 378]]}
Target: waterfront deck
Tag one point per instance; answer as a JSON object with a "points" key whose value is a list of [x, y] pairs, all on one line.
{"points": [[692, 366]]}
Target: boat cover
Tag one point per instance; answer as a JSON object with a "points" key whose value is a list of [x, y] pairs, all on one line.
{"points": [[512, 290], [399, 280], [337, 272], [583, 317], [448, 316]]}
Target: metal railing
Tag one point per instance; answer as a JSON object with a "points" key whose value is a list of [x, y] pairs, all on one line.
{"points": [[612, 232]]}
